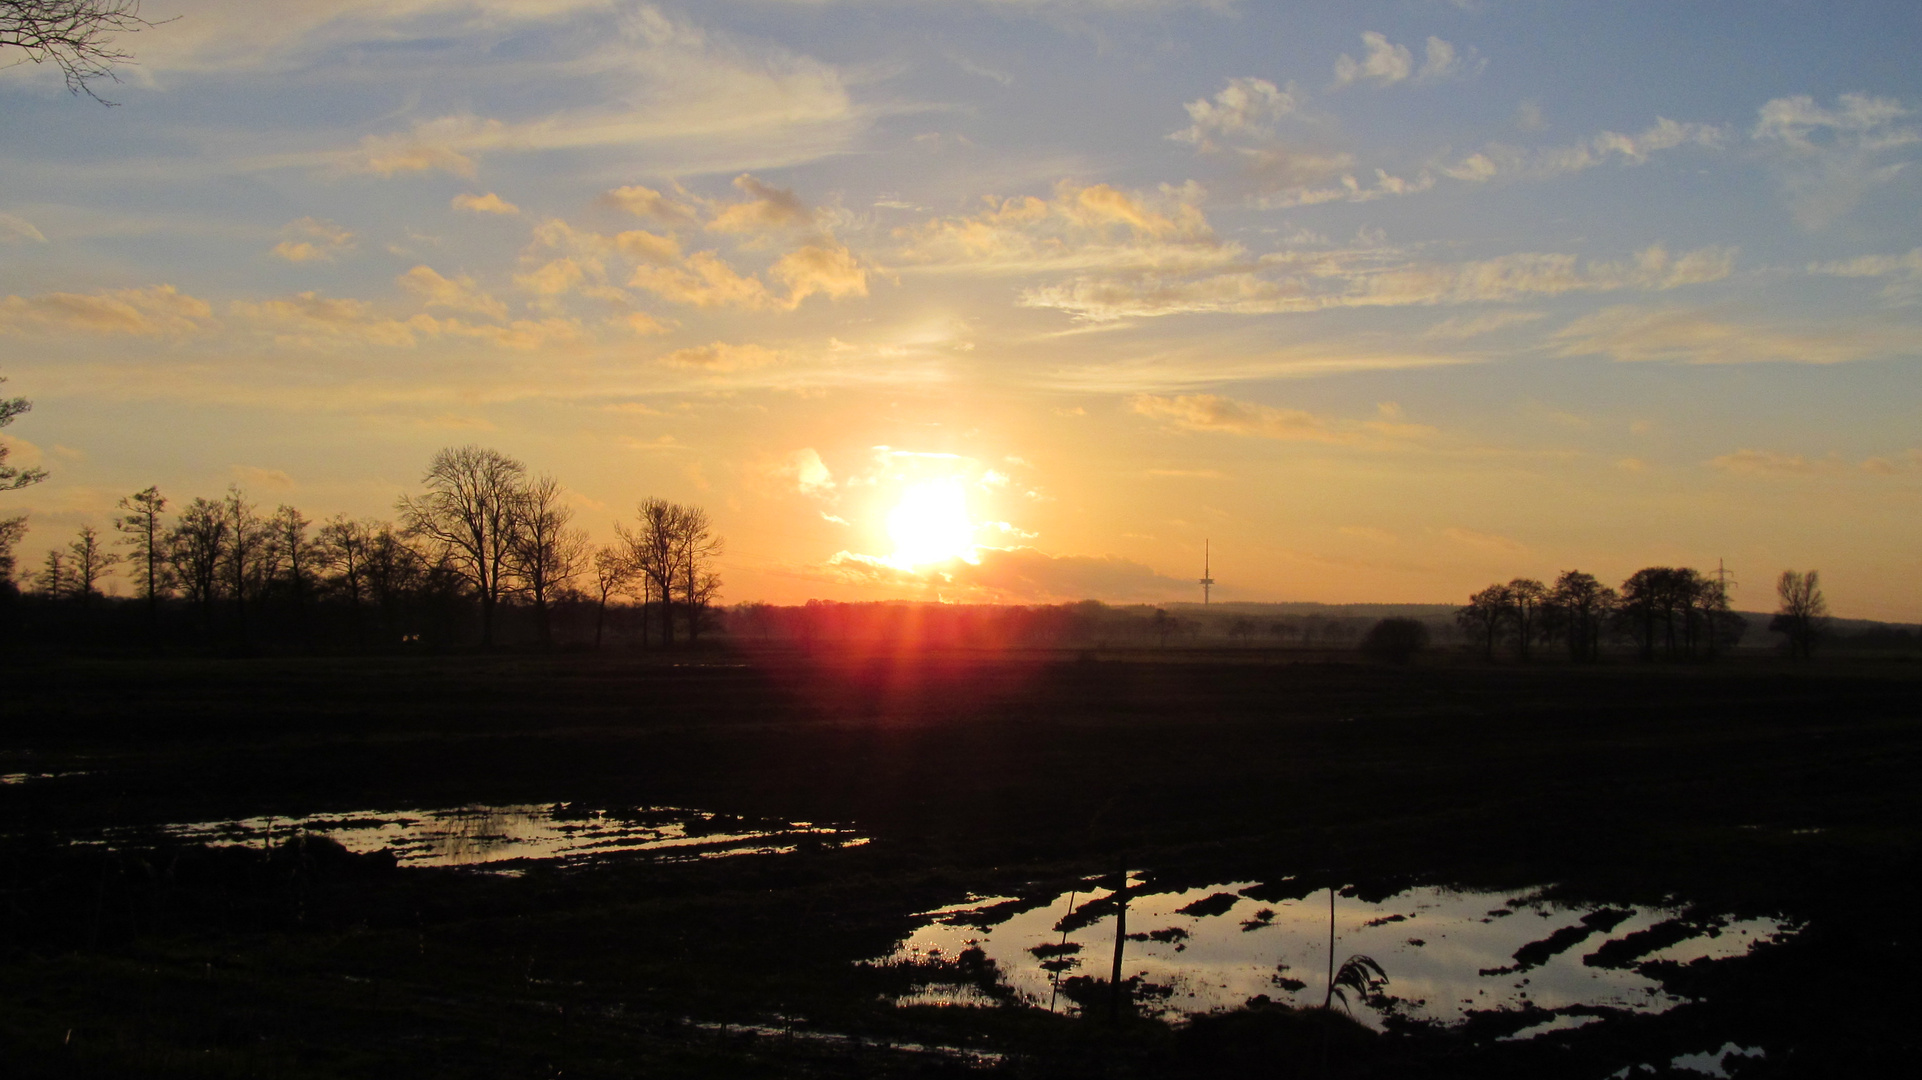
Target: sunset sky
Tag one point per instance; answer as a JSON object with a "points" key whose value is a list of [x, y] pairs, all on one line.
{"points": [[1385, 300]]}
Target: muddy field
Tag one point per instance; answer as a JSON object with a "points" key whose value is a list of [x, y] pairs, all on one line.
{"points": [[724, 864]]}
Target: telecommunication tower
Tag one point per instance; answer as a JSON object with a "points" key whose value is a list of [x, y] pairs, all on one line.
{"points": [[1207, 579]]}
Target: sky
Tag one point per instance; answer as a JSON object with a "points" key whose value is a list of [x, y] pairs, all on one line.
{"points": [[1006, 300]]}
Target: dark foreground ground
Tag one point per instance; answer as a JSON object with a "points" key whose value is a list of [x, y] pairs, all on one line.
{"points": [[1744, 787]]}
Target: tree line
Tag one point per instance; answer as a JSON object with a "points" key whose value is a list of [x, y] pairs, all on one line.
{"points": [[1674, 612], [483, 541]]}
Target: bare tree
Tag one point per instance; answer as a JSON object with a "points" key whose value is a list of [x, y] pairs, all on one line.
{"points": [[547, 552], [90, 562], [1484, 616], [469, 511], [247, 543], [1526, 597], [140, 529], [1580, 605], [196, 549], [291, 555], [613, 573], [1804, 612], [673, 550], [700, 584], [75, 36], [651, 552]]}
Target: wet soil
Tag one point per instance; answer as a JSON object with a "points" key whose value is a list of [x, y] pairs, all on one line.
{"points": [[1742, 789]]}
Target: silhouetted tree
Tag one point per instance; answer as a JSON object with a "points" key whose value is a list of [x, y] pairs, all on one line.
{"points": [[395, 572], [1578, 608], [75, 36], [1484, 616], [11, 530], [196, 549], [672, 548], [11, 477], [245, 565], [547, 552], [469, 513], [1525, 599], [55, 579], [88, 561], [700, 584], [1394, 640], [1803, 615], [613, 574], [140, 529], [290, 558]]}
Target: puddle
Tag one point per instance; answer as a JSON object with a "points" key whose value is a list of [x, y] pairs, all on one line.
{"points": [[488, 836], [1447, 953], [1708, 1063], [33, 777], [787, 1031]]}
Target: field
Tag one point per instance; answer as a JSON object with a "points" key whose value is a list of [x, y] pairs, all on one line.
{"points": [[1746, 789]]}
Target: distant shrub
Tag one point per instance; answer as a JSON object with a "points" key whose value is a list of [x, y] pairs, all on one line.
{"points": [[1394, 640]]}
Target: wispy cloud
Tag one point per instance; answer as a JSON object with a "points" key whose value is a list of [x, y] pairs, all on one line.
{"points": [[1829, 159], [152, 311], [489, 203], [310, 239], [1687, 335]]}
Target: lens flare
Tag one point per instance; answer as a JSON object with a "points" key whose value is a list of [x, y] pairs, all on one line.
{"points": [[931, 525]]}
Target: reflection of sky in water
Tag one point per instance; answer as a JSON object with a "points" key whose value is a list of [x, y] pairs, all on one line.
{"points": [[1227, 958], [478, 835]]}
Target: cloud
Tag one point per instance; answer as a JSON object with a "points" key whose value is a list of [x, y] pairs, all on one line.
{"points": [[648, 203], [1909, 462], [155, 310], [312, 320], [720, 356], [455, 294], [647, 246], [809, 473], [1245, 108], [489, 203], [310, 239], [552, 278], [1828, 160], [1462, 327], [1482, 541], [1904, 270], [705, 281], [1298, 282], [442, 144], [1497, 160], [1210, 412], [1018, 575], [1440, 60], [767, 209], [698, 101], [1382, 62], [16, 230], [1629, 333], [252, 476], [1078, 227], [828, 269], [1766, 463]]}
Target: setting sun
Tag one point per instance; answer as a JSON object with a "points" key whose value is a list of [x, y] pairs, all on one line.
{"points": [[931, 525]]}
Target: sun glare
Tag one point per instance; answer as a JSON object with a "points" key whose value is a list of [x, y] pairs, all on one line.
{"points": [[931, 525]]}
